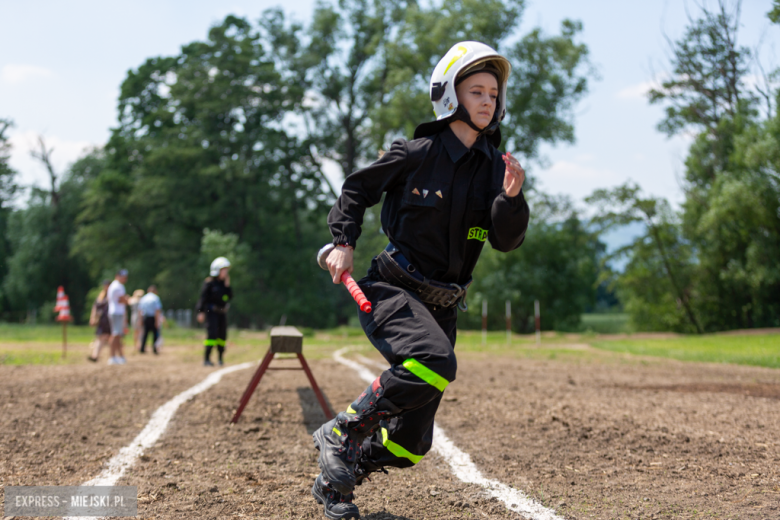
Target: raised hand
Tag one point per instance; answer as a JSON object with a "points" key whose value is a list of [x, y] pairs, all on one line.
{"points": [[514, 176]]}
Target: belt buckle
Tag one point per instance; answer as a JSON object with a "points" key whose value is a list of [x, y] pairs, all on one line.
{"points": [[462, 305], [454, 300]]}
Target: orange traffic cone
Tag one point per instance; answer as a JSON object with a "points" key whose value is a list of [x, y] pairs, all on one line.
{"points": [[63, 306], [61, 299]]}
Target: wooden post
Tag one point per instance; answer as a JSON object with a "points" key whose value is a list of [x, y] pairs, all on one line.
{"points": [[64, 338], [484, 322], [538, 322], [508, 322]]}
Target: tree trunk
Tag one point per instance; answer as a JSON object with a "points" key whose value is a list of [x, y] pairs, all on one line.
{"points": [[683, 299]]}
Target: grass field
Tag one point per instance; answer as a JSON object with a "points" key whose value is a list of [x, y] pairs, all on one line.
{"points": [[757, 350], [42, 344], [616, 323]]}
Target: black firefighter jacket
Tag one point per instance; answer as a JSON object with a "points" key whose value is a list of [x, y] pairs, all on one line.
{"points": [[214, 295], [443, 201]]}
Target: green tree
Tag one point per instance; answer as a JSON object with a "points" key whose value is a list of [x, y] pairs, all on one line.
{"points": [[41, 236], [711, 266], [201, 144], [708, 94], [8, 192], [656, 286], [753, 201]]}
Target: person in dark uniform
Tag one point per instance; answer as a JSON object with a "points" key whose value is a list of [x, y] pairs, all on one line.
{"points": [[448, 191], [212, 307]]}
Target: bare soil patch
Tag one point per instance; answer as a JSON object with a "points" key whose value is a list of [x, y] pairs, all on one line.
{"points": [[615, 438], [637, 439], [768, 390], [264, 466], [60, 424]]}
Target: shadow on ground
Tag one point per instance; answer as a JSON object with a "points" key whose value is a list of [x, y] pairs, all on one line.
{"points": [[313, 416]]}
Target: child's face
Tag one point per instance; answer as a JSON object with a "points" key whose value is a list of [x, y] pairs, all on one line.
{"points": [[478, 94]]}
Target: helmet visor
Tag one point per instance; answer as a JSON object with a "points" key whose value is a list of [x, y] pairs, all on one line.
{"points": [[492, 65]]}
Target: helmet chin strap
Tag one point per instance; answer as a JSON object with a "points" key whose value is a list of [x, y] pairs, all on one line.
{"points": [[461, 114]]}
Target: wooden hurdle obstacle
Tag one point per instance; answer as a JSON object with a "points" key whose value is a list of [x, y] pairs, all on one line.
{"points": [[284, 340]]}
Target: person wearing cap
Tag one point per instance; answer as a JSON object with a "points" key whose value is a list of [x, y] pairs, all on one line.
{"points": [[98, 318], [212, 307], [117, 316], [447, 192]]}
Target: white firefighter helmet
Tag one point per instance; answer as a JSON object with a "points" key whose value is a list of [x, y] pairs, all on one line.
{"points": [[466, 58], [462, 60], [219, 263]]}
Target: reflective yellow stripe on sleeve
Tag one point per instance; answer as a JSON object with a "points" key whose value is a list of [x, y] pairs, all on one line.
{"points": [[398, 450], [426, 374]]}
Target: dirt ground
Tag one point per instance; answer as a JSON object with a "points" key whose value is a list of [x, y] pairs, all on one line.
{"points": [[608, 437]]}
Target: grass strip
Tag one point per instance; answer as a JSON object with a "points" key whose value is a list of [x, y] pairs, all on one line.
{"points": [[755, 350]]}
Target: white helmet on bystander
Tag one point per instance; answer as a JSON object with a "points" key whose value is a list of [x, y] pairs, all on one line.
{"points": [[219, 263]]}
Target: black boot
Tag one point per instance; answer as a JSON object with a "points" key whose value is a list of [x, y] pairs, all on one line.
{"points": [[337, 506], [339, 440]]}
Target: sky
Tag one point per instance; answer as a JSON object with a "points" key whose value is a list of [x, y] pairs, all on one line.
{"points": [[62, 63]]}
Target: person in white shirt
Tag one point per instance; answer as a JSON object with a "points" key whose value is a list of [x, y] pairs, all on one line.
{"points": [[117, 316], [150, 311]]}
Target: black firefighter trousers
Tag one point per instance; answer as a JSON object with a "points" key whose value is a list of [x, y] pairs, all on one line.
{"points": [[216, 333], [418, 340]]}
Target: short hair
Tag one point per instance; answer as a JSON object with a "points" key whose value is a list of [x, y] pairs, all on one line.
{"points": [[152, 288]]}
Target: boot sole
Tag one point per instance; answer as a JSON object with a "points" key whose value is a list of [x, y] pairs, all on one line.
{"points": [[321, 500]]}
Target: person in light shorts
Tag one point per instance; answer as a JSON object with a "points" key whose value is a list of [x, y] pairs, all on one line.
{"points": [[118, 325], [117, 316]]}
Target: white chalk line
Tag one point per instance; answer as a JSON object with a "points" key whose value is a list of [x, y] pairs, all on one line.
{"points": [[127, 456], [461, 464], [379, 364]]}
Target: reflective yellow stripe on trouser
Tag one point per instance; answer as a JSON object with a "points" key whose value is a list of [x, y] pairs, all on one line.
{"points": [[210, 343], [398, 450], [426, 374]]}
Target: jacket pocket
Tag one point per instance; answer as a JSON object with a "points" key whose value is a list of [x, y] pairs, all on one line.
{"points": [[384, 310], [431, 201]]}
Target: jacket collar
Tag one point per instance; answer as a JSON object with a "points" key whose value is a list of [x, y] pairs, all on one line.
{"points": [[456, 149]]}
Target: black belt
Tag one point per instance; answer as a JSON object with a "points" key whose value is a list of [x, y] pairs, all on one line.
{"points": [[397, 270]]}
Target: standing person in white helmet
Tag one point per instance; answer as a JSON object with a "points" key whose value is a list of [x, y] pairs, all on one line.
{"points": [[213, 304], [447, 192]]}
